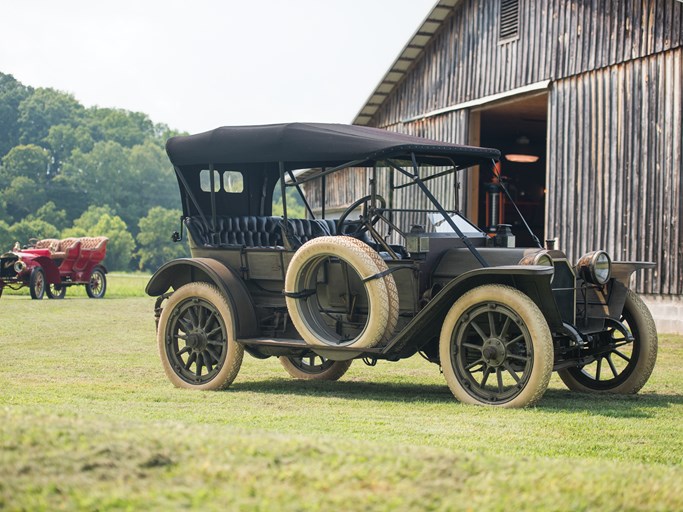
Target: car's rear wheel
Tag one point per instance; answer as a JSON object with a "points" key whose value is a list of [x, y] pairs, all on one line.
{"points": [[195, 339], [37, 283], [314, 367], [626, 357], [55, 291], [496, 348], [97, 286]]}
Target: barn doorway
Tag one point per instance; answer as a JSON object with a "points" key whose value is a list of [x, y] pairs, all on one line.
{"points": [[518, 128]]}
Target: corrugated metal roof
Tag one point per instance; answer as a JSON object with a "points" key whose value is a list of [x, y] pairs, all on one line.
{"points": [[410, 53]]}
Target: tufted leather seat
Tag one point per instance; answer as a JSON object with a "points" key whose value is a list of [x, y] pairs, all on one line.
{"points": [[253, 231], [248, 231], [48, 243], [303, 230]]}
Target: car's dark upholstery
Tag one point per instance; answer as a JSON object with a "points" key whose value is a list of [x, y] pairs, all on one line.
{"points": [[302, 230], [253, 231]]}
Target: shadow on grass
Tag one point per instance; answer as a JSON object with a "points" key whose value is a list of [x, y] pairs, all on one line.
{"points": [[370, 391], [623, 406], [640, 405]]}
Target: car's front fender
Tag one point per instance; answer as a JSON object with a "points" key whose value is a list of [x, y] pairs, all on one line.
{"points": [[177, 273], [532, 280]]}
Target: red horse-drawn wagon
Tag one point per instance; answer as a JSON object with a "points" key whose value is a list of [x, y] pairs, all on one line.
{"points": [[50, 266]]}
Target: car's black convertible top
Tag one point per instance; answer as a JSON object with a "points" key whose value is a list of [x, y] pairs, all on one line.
{"points": [[302, 145]]}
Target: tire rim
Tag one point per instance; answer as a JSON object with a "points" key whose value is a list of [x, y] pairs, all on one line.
{"points": [[492, 352], [616, 357], [96, 283], [312, 364], [335, 328], [39, 284], [196, 341]]}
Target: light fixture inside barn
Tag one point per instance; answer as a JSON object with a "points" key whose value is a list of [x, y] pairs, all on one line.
{"points": [[521, 152]]}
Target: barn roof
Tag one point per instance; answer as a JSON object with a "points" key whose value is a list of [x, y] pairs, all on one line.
{"points": [[410, 53]]}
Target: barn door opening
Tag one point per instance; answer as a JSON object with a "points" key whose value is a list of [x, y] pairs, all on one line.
{"points": [[518, 128]]}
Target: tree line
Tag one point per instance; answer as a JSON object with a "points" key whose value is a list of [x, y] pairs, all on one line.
{"points": [[67, 170]]}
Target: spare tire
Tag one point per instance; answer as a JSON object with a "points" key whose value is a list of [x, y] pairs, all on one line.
{"points": [[301, 288], [389, 282]]}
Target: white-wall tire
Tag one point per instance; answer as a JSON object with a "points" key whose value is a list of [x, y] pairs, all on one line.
{"points": [[302, 276], [186, 332], [501, 332], [389, 282]]}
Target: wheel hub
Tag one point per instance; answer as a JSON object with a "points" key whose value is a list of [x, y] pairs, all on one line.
{"points": [[197, 341], [494, 352]]}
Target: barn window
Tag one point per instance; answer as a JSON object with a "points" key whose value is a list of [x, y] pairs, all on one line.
{"points": [[509, 19]]}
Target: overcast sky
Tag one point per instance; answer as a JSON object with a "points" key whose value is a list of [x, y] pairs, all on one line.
{"points": [[199, 64]]}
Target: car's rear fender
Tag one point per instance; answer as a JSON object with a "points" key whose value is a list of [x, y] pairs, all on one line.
{"points": [[532, 280], [177, 273]]}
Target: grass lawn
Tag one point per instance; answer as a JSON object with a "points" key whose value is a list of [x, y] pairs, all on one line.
{"points": [[89, 421]]}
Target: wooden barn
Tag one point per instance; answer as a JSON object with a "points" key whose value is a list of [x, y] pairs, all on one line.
{"points": [[583, 97]]}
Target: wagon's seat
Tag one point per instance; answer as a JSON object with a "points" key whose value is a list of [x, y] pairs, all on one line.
{"points": [[93, 249], [67, 249], [48, 243]]}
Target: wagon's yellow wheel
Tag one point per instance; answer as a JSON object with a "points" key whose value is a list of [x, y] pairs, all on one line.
{"points": [[37, 283]]}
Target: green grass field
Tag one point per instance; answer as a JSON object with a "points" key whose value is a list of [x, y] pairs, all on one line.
{"points": [[88, 421]]}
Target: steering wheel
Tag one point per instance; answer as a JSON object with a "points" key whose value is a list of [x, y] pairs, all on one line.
{"points": [[367, 219]]}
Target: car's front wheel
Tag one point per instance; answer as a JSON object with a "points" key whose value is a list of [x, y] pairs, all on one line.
{"points": [[195, 339], [37, 283], [314, 367], [626, 356], [496, 348]]}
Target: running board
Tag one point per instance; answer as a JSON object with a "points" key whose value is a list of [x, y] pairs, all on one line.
{"points": [[298, 343]]}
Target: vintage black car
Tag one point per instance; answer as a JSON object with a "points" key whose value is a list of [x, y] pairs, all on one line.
{"points": [[320, 293]]}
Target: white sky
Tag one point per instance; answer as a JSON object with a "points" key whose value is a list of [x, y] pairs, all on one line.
{"points": [[199, 64]]}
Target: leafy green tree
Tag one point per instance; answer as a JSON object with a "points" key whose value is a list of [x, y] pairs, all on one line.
{"points": [[27, 160], [63, 139], [22, 197], [98, 221], [12, 93], [51, 214], [121, 126], [157, 185], [154, 239], [84, 224], [103, 176], [295, 206], [24, 230], [6, 240], [45, 108]]}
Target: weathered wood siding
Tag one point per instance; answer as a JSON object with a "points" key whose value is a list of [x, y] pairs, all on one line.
{"points": [[614, 165], [614, 119], [557, 39]]}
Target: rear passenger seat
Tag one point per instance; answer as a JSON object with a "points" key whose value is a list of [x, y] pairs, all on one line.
{"points": [[253, 231]]}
